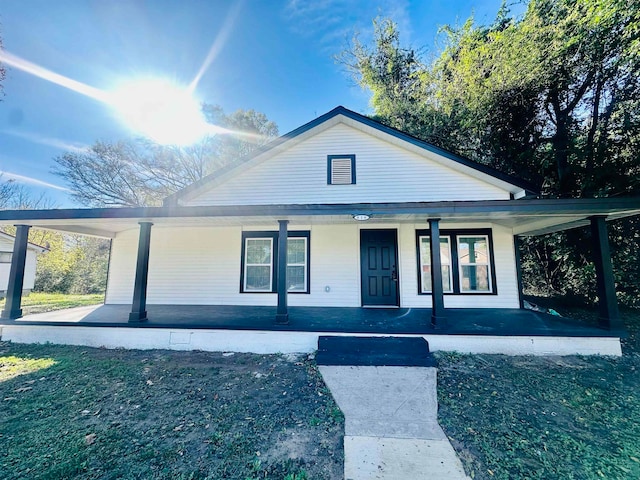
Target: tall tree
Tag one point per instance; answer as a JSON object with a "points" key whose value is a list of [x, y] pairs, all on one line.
{"points": [[140, 172], [552, 96]]}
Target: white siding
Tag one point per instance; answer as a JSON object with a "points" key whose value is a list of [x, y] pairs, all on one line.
{"points": [[122, 267], [29, 271], [201, 266], [29, 267], [384, 173]]}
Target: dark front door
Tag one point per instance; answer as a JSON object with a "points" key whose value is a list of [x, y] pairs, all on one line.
{"points": [[379, 269]]}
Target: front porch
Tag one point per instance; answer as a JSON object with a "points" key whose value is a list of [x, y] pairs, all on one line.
{"points": [[252, 329]]}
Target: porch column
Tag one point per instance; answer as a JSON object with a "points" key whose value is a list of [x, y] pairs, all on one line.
{"points": [[139, 306], [438, 319], [516, 248], [282, 315], [12, 308], [607, 302]]}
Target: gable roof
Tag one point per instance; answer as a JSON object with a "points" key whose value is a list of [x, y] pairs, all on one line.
{"points": [[356, 119], [32, 246]]}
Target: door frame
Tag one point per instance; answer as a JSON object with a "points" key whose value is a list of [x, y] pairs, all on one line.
{"points": [[397, 282]]}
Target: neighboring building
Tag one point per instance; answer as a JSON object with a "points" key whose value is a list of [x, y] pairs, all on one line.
{"points": [[6, 253], [360, 206]]}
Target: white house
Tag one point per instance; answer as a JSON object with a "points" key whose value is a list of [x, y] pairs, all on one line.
{"points": [[6, 253], [339, 213]]}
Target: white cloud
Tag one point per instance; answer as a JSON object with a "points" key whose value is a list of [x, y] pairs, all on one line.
{"points": [[331, 23], [48, 141], [30, 181]]}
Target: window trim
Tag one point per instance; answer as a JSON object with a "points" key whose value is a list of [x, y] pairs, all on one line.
{"points": [[273, 235], [351, 157], [453, 235]]}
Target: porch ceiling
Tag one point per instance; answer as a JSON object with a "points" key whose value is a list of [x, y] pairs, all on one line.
{"points": [[524, 216]]}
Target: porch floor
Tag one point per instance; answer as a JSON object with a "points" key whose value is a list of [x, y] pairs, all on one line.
{"points": [[491, 322]]}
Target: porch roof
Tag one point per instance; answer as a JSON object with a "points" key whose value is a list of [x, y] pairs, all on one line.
{"points": [[523, 216]]}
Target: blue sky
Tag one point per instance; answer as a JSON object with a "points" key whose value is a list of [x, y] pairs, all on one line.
{"points": [[274, 56]]}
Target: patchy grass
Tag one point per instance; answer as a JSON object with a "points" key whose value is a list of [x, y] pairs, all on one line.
{"points": [[38, 302], [544, 417], [83, 413]]}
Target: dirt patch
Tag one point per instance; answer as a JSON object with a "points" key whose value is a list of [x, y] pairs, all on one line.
{"points": [[96, 413]]}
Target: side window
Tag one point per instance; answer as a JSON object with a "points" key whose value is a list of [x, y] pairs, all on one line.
{"points": [[297, 265], [260, 259], [467, 261], [425, 264], [5, 257], [473, 261], [258, 265]]}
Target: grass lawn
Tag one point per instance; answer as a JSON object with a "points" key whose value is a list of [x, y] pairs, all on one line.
{"points": [[83, 413], [544, 417], [37, 302]]}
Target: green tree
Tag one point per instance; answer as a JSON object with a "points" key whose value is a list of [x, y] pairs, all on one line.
{"points": [[72, 264], [552, 97]]}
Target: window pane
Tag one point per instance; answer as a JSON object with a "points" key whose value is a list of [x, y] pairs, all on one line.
{"points": [[475, 278], [5, 257], [258, 251], [295, 279], [296, 251], [258, 278], [473, 250], [446, 278], [445, 260], [426, 278]]}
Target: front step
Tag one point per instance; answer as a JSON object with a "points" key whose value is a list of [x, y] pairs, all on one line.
{"points": [[374, 351]]}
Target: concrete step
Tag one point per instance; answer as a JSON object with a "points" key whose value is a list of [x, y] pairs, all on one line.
{"points": [[374, 351]]}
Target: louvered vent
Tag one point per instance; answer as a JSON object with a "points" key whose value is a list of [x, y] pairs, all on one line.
{"points": [[342, 170]]}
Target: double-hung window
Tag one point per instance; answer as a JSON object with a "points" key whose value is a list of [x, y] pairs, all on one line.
{"points": [[425, 263], [473, 261], [466, 261], [258, 264], [260, 259]]}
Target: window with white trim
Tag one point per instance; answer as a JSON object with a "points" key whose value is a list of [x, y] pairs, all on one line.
{"points": [[260, 260], [466, 258], [297, 264], [258, 265], [341, 169], [473, 261], [5, 257], [425, 263]]}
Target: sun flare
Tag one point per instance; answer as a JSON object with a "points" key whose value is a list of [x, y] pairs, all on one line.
{"points": [[161, 111]]}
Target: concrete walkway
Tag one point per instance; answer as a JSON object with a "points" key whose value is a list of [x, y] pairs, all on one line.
{"points": [[391, 426]]}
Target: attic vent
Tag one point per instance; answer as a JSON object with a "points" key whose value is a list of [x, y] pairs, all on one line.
{"points": [[341, 169]]}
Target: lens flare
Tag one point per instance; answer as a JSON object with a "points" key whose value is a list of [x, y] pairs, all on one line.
{"points": [[160, 110]]}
